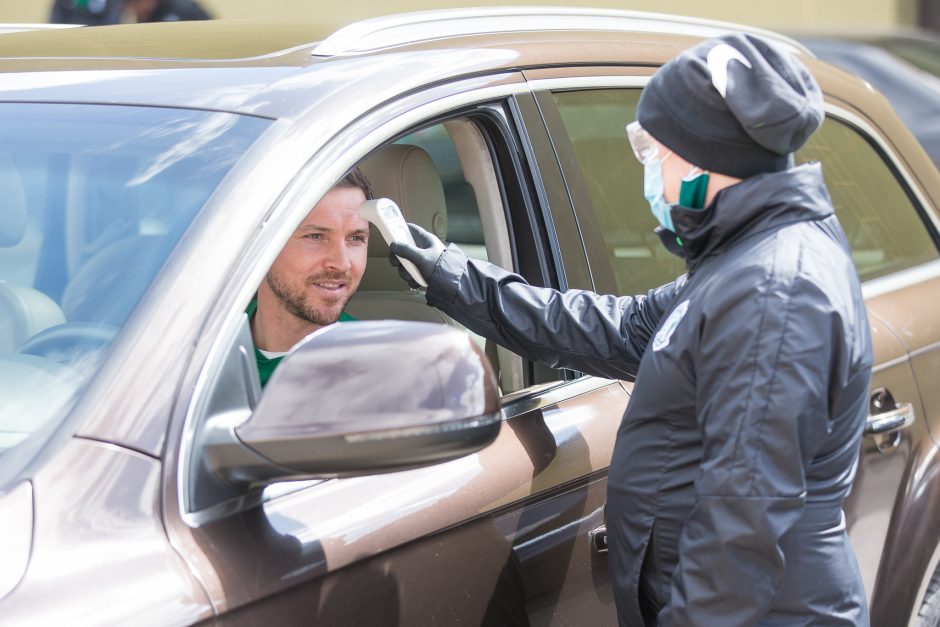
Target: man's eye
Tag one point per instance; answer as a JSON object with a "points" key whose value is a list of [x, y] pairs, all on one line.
{"points": [[314, 236], [359, 238]]}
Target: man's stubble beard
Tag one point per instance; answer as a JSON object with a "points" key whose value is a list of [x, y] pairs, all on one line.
{"points": [[295, 301]]}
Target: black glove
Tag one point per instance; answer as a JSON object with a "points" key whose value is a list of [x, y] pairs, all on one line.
{"points": [[424, 255]]}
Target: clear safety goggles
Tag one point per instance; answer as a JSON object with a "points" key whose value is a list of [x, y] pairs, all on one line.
{"points": [[646, 149]]}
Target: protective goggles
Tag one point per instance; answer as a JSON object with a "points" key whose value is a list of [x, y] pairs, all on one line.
{"points": [[644, 146]]}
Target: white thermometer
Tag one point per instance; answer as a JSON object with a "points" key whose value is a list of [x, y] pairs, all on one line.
{"points": [[387, 218]]}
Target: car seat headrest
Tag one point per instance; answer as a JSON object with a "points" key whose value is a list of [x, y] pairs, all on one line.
{"points": [[13, 216], [24, 312], [406, 174]]}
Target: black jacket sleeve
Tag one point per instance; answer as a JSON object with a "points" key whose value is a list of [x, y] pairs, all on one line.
{"points": [[599, 335]]}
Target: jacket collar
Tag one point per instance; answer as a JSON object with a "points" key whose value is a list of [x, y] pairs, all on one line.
{"points": [[756, 204]]}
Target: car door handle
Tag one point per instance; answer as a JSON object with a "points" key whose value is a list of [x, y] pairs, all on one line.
{"points": [[898, 418], [599, 539], [886, 418]]}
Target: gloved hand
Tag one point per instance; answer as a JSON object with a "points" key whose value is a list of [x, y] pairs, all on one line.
{"points": [[424, 255]]}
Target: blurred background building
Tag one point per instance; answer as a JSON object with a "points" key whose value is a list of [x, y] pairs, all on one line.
{"points": [[788, 15]]}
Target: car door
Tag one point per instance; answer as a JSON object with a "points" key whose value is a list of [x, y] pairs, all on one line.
{"points": [[497, 537], [890, 232]]}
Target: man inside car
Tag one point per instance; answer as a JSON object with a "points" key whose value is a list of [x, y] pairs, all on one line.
{"points": [[314, 276]]}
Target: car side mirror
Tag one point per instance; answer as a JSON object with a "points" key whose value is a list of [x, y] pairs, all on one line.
{"points": [[359, 398]]}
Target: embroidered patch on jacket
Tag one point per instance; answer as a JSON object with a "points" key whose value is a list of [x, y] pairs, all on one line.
{"points": [[665, 332]]}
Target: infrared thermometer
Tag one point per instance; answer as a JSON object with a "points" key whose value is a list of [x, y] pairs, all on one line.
{"points": [[387, 218]]}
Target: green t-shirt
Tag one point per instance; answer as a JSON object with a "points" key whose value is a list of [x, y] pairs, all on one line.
{"points": [[266, 365]]}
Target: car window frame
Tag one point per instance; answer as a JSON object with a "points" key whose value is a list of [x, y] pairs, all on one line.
{"points": [[186, 529], [867, 130], [918, 197], [359, 139]]}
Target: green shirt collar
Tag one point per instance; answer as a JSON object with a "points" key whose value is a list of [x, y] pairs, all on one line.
{"points": [[266, 365]]}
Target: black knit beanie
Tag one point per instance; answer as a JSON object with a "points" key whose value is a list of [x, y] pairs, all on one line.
{"points": [[735, 105]]}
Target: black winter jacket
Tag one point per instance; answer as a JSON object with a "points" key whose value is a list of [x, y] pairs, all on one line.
{"points": [[742, 435]]}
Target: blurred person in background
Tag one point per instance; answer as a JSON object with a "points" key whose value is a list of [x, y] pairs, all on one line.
{"points": [[89, 12], [166, 10], [99, 12]]}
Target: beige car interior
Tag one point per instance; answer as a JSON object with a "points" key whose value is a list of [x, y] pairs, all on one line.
{"points": [[24, 311], [406, 173]]}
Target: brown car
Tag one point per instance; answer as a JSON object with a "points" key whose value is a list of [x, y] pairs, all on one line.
{"points": [[396, 470]]}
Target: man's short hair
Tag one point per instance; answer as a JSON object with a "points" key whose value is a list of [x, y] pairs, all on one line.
{"points": [[356, 179]]}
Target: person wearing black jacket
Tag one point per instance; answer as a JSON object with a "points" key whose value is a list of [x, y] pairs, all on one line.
{"points": [[741, 438]]}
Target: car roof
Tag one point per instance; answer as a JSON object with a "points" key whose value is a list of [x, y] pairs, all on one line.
{"points": [[249, 66], [16, 28], [225, 40]]}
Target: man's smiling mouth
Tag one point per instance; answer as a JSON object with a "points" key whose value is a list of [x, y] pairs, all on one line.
{"points": [[330, 285]]}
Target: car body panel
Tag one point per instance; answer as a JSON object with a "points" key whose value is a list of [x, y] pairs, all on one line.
{"points": [[880, 474], [550, 440], [275, 92], [107, 535], [910, 313], [16, 519], [480, 572], [906, 565]]}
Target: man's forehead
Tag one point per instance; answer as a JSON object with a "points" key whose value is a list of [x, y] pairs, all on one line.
{"points": [[338, 208]]}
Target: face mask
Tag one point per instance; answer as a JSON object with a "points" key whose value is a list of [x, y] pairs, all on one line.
{"points": [[653, 189], [691, 191], [693, 188]]}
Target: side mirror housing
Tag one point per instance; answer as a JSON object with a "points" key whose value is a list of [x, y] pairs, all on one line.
{"points": [[359, 398]]}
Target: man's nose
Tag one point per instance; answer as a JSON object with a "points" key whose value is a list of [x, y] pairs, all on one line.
{"points": [[338, 256]]}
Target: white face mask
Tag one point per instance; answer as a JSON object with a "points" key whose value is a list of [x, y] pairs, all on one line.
{"points": [[691, 192], [654, 191]]}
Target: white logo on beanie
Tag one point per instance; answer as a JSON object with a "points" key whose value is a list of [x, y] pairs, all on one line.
{"points": [[718, 59]]}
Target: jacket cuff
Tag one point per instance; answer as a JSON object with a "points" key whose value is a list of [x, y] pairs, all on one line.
{"points": [[445, 279]]}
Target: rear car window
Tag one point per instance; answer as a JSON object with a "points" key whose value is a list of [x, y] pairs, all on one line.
{"points": [[596, 121], [885, 231]]}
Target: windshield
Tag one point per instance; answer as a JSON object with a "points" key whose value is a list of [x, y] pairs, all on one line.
{"points": [[94, 198]]}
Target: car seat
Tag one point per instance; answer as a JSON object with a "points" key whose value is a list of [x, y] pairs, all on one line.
{"points": [[24, 311], [109, 284], [405, 174]]}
